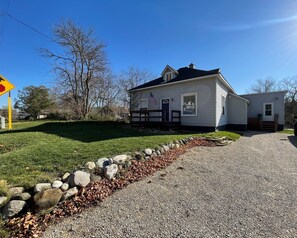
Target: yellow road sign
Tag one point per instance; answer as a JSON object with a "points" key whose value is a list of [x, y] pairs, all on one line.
{"points": [[5, 85]]}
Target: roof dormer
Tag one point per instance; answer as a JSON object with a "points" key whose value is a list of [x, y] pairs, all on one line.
{"points": [[169, 73]]}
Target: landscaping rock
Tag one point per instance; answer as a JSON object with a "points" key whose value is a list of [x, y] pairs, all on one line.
{"points": [[23, 196], [57, 184], [138, 155], [148, 151], [147, 157], [90, 165], [154, 154], [47, 198], [102, 163], [162, 150], [127, 164], [64, 187], [42, 186], [12, 208], [175, 146], [65, 177], [120, 159], [16, 191], [95, 178], [79, 178], [111, 170], [3, 200], [171, 145], [70, 193], [166, 148], [158, 152]]}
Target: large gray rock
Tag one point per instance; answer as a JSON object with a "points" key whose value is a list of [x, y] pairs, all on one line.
{"points": [[148, 151], [102, 163], [48, 198], [12, 208], [111, 170], [42, 186], [79, 178], [16, 191], [90, 165], [3, 200], [57, 184], [121, 159], [70, 193], [65, 176]]}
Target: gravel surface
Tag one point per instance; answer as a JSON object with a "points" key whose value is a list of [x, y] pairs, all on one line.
{"points": [[246, 189]]}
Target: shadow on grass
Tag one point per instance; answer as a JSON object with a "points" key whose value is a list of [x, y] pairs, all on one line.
{"points": [[293, 140], [88, 131]]}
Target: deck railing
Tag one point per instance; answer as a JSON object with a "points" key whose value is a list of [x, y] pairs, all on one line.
{"points": [[151, 117]]}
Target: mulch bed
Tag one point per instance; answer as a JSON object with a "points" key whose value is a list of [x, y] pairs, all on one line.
{"points": [[33, 225]]}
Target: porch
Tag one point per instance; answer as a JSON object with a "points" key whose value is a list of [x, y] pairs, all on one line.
{"points": [[155, 119], [263, 125]]}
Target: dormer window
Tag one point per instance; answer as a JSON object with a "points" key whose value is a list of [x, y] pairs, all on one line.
{"points": [[168, 76], [169, 73]]}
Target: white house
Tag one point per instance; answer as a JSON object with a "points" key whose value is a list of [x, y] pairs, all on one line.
{"points": [[202, 100]]}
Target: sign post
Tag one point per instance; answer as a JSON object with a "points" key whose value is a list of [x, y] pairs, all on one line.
{"points": [[9, 112], [6, 86]]}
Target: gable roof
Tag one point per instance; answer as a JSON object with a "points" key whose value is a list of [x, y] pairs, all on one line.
{"points": [[183, 74], [170, 68]]}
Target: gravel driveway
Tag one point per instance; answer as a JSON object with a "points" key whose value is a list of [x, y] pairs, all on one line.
{"points": [[246, 189]]}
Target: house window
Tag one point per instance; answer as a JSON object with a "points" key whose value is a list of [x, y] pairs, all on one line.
{"points": [[168, 77], [223, 105], [143, 104], [268, 109], [189, 104]]}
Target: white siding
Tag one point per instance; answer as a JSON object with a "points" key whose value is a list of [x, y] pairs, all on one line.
{"points": [[206, 104], [221, 91], [237, 113], [257, 101]]}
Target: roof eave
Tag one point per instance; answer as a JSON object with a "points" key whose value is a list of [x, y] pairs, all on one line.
{"points": [[225, 82], [172, 83]]}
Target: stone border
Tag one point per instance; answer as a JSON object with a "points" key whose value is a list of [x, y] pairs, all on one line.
{"points": [[45, 196], [49, 203]]}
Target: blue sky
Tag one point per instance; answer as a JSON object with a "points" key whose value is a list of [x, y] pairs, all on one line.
{"points": [[248, 40]]}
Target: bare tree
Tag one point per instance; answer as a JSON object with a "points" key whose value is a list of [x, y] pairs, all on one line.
{"points": [[290, 85], [129, 79], [80, 67], [107, 93], [263, 86]]}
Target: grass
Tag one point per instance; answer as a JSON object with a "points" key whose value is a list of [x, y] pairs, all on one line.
{"points": [[40, 151], [286, 131]]}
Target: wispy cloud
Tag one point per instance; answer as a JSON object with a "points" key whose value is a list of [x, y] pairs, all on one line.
{"points": [[243, 27]]}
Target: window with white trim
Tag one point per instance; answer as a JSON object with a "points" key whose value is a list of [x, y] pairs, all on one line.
{"points": [[268, 109], [143, 104], [189, 104]]}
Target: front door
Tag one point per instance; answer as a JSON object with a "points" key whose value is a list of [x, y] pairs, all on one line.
{"points": [[268, 112], [165, 109]]}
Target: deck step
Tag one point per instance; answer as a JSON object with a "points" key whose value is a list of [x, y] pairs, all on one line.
{"points": [[268, 126]]}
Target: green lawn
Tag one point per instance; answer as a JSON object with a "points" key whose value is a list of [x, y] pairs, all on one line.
{"points": [[287, 131], [40, 151]]}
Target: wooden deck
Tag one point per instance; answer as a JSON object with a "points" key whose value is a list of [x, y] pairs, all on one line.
{"points": [[155, 119]]}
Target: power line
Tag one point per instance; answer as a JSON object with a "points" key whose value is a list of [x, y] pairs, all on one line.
{"points": [[30, 27], [4, 15]]}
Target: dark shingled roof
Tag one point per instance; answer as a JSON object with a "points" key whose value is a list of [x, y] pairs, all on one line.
{"points": [[183, 74]]}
